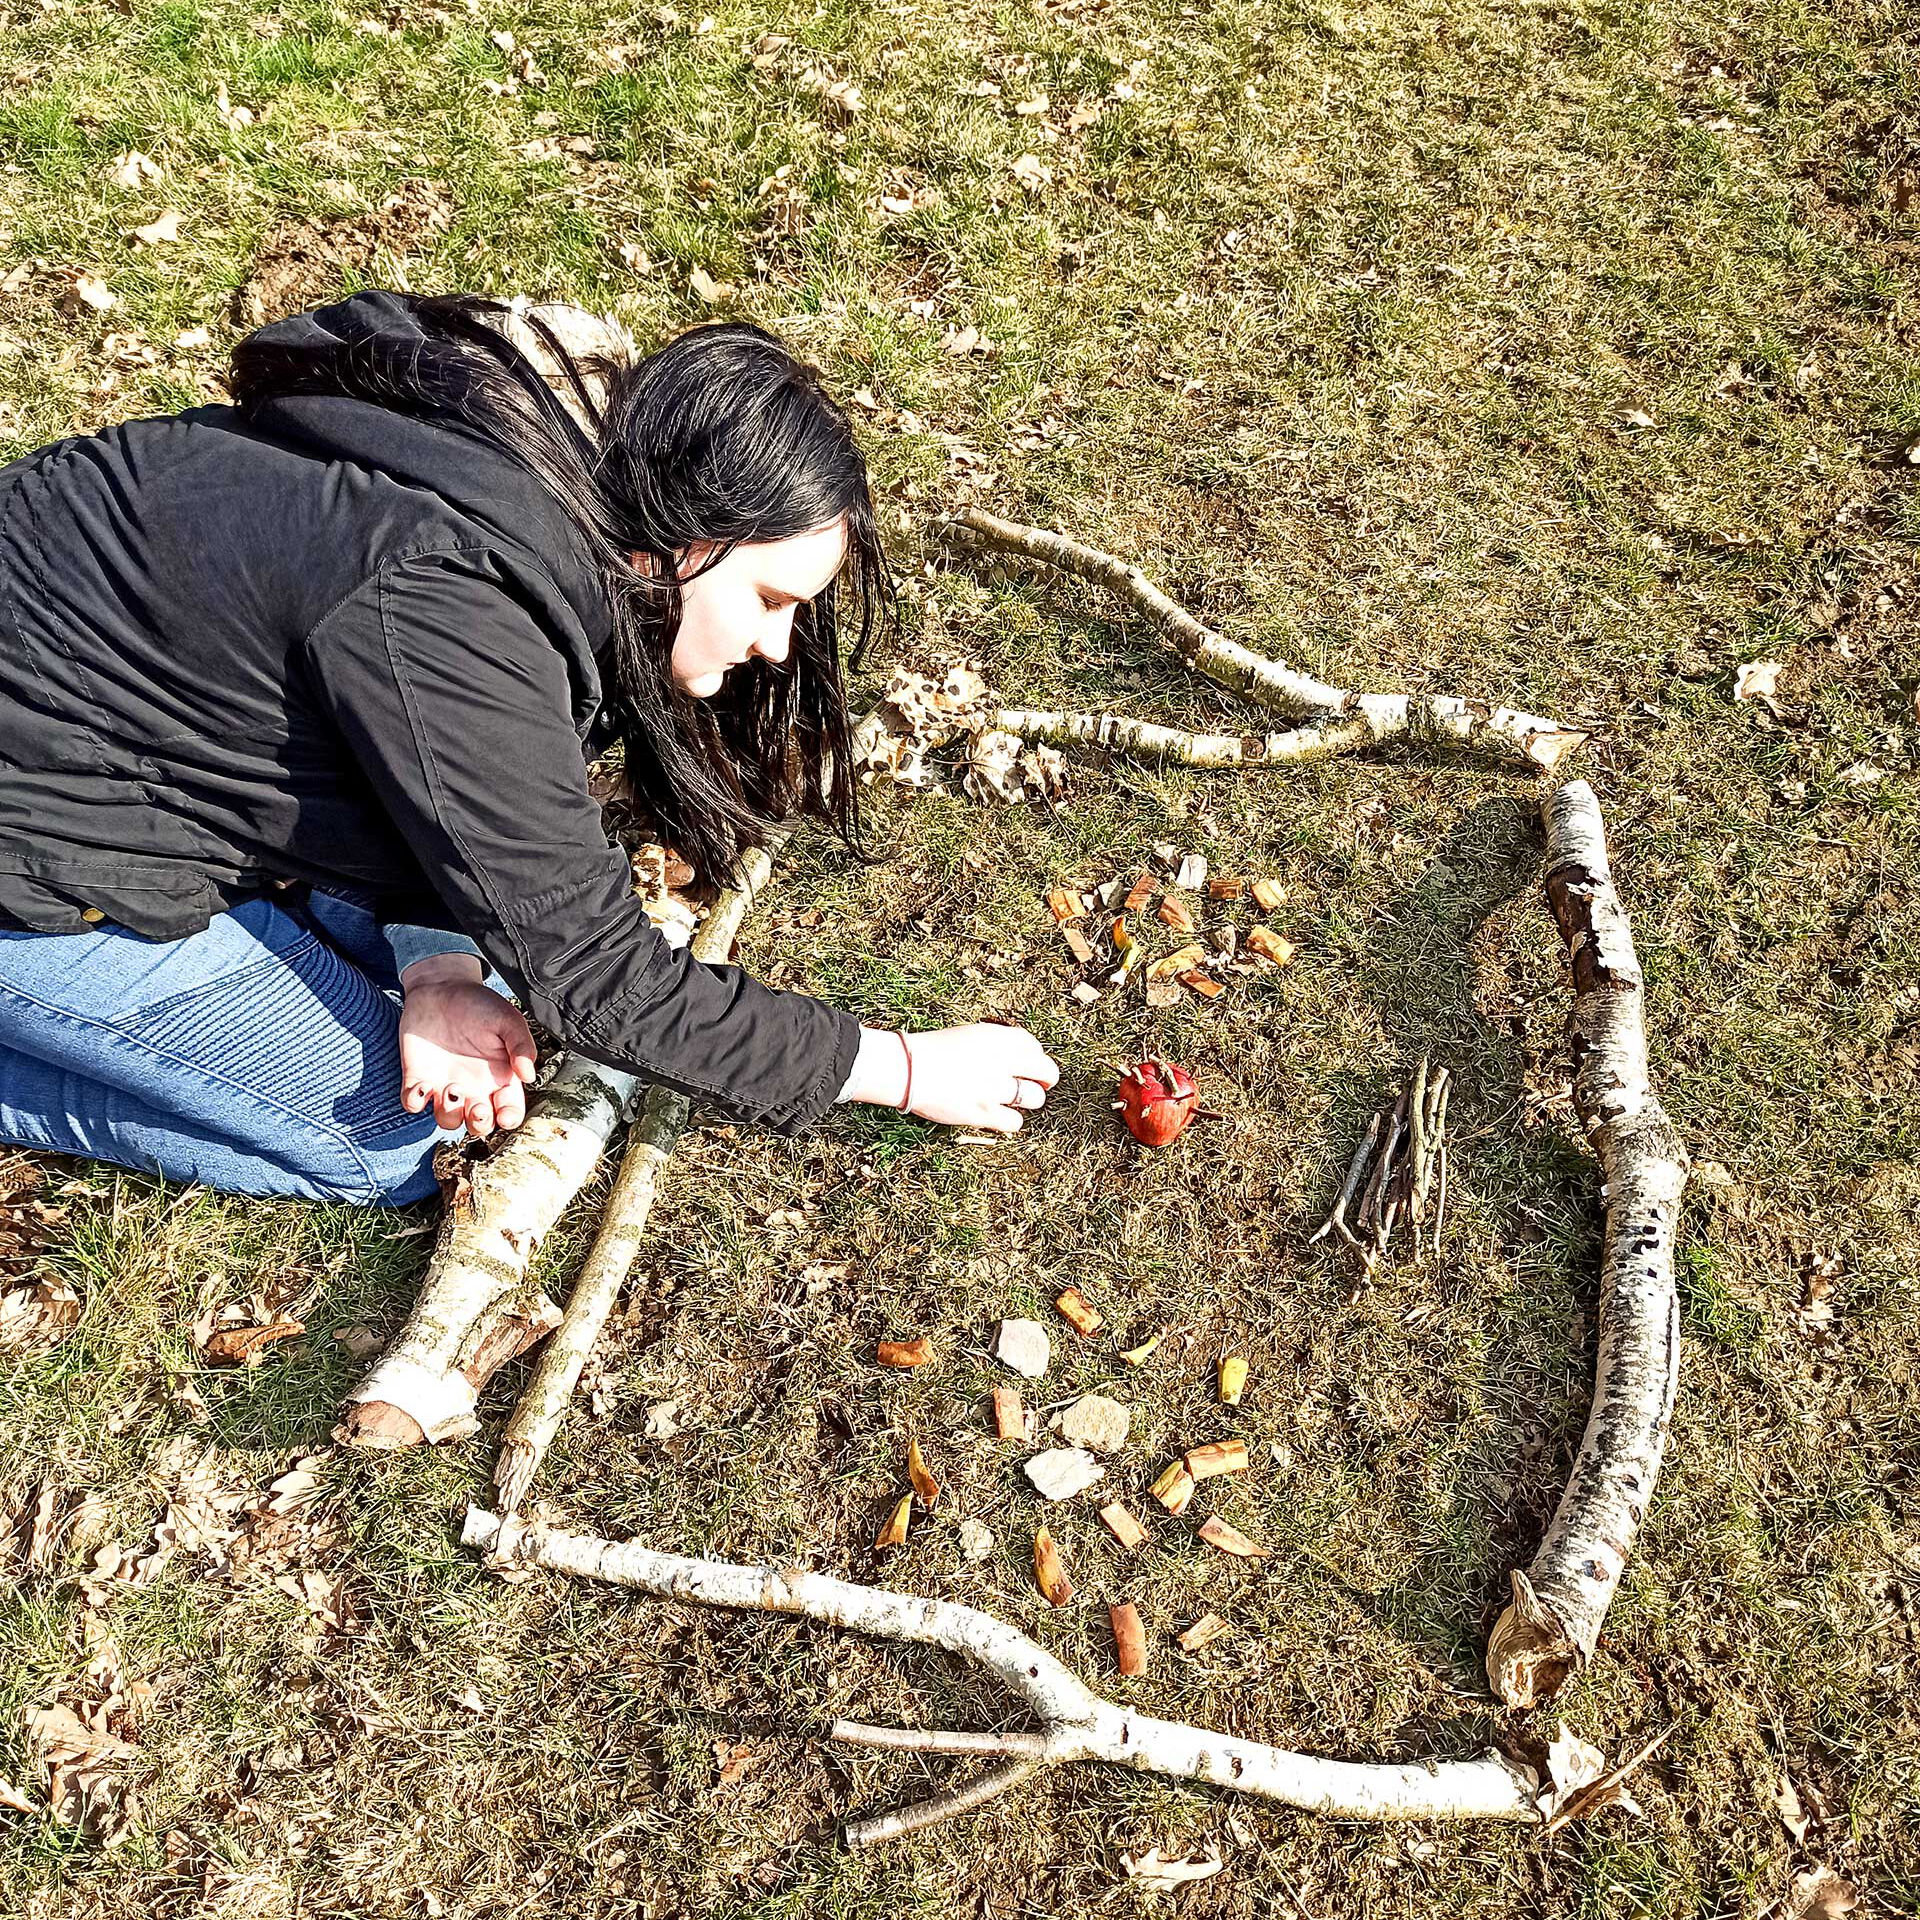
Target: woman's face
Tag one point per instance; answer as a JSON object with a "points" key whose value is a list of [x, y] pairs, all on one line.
{"points": [[745, 605]]}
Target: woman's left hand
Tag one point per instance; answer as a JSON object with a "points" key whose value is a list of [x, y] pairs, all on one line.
{"points": [[462, 1047]]}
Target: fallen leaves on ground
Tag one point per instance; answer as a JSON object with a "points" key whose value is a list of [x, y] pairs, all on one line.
{"points": [[1821, 1894], [1163, 1872], [1580, 1784]]}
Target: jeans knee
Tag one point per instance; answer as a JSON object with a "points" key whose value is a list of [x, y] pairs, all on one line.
{"points": [[399, 1171]]}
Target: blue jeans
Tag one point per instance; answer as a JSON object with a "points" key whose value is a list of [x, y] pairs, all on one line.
{"points": [[260, 1055]]}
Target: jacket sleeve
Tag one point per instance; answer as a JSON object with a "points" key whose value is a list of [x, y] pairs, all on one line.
{"points": [[456, 701]]}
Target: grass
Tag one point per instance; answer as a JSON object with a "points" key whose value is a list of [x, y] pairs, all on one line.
{"points": [[1338, 319]]}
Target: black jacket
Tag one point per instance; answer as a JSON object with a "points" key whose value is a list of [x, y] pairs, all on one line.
{"points": [[341, 645]]}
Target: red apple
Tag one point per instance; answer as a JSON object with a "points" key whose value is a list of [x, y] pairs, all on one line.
{"points": [[1157, 1099]]}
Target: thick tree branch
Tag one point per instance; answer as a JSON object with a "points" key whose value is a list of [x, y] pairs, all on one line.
{"points": [[1559, 1602], [1339, 719], [1076, 1723], [656, 1128]]}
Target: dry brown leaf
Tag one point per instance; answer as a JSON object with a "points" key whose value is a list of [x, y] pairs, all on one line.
{"points": [[159, 232], [1579, 1783], [132, 170], [706, 288], [247, 1346], [1033, 173], [91, 291], [1759, 680], [1821, 1894], [13, 1800], [37, 1316], [86, 1784], [1792, 1815], [1163, 1872]]}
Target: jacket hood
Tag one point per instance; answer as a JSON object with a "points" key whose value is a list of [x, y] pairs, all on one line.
{"points": [[436, 452]]}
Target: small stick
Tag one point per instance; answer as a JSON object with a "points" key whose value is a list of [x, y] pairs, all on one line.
{"points": [[936, 1807], [857, 1733], [1440, 1205], [1382, 1168], [1355, 1168]]}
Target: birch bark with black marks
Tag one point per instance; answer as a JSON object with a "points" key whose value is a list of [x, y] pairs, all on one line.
{"points": [[477, 1307], [1076, 1723], [1549, 1631], [651, 1138], [1338, 719]]}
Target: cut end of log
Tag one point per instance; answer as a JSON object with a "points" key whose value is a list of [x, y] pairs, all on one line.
{"points": [[379, 1427], [1530, 1656]]}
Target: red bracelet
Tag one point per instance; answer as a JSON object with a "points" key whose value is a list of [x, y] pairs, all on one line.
{"points": [[906, 1098]]}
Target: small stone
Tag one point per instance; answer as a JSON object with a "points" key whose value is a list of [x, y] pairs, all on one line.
{"points": [[1061, 1472], [1095, 1421], [976, 1539], [1192, 875], [1023, 1346]]}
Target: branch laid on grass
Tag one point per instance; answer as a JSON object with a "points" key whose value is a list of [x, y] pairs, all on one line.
{"points": [[476, 1307], [1075, 1722], [1559, 1602], [1146, 740], [1339, 719], [656, 1128]]}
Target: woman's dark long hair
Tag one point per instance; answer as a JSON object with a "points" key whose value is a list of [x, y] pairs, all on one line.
{"points": [[722, 435]]}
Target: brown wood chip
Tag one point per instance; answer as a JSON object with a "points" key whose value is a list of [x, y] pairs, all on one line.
{"points": [[1218, 1456], [1122, 1525], [1073, 1304], [904, 1353], [1216, 1533], [1009, 1416], [1048, 1574], [1129, 1636]]}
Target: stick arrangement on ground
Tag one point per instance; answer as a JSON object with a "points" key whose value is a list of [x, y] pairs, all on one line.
{"points": [[1396, 1171]]}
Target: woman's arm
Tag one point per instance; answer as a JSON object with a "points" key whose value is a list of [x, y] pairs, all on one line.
{"points": [[452, 696]]}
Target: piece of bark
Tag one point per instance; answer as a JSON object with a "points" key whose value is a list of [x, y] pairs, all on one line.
{"points": [[926, 1488], [1075, 1308], [1122, 1525], [1174, 1488], [1207, 1628], [904, 1353], [1175, 962], [1078, 945], [1048, 1574], [1064, 905], [1075, 1723], [1269, 895], [1009, 1416], [1129, 1637], [1202, 984], [1217, 1456], [246, 1346], [1139, 893], [1216, 1533], [1177, 914], [1549, 1631], [1225, 886], [1233, 1379], [894, 1533], [1269, 945]]}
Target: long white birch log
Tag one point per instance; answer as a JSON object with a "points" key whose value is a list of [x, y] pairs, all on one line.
{"points": [[651, 1138], [476, 1308], [1550, 1630], [1522, 738], [1076, 1723], [1147, 740]]}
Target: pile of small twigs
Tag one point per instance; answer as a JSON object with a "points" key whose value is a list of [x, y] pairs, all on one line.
{"points": [[1398, 1170]]}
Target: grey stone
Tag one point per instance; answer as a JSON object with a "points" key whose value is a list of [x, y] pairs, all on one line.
{"points": [[1023, 1346], [1061, 1472], [1095, 1421]]}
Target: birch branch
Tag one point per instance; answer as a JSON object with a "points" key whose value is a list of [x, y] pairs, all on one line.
{"points": [[1553, 1624], [1338, 718], [655, 1130], [476, 1308], [1075, 1722], [1147, 740]]}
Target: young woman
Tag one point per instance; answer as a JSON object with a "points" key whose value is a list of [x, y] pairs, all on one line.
{"points": [[297, 698]]}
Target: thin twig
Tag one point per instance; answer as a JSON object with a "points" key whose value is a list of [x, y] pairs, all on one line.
{"points": [[936, 1807], [857, 1733], [1355, 1168]]}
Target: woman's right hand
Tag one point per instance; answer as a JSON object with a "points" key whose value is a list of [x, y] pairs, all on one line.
{"points": [[982, 1075]]}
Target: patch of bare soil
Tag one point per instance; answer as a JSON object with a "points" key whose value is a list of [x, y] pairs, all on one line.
{"points": [[301, 262]]}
